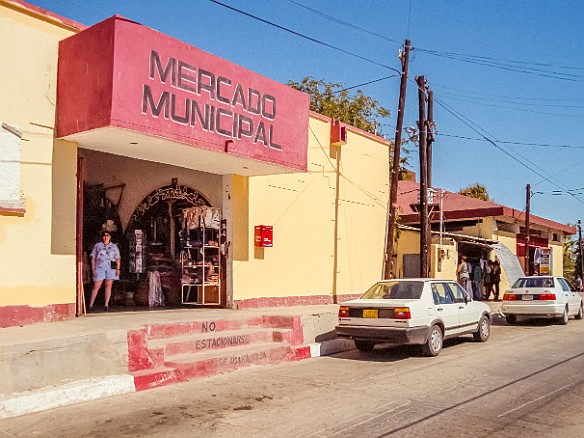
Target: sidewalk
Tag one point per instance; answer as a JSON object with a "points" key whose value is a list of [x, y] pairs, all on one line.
{"points": [[52, 364], [100, 355]]}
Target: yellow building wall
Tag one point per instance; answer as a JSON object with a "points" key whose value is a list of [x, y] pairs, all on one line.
{"points": [[557, 259], [36, 249], [444, 260], [407, 243], [301, 208]]}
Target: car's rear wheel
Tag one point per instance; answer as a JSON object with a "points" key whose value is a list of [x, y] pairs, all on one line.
{"points": [[580, 313], [484, 330], [563, 320], [511, 319], [433, 345], [364, 345]]}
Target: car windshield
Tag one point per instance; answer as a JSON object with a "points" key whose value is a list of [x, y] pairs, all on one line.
{"points": [[534, 282], [394, 290]]}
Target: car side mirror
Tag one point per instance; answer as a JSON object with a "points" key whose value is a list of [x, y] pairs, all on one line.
{"points": [[466, 299]]}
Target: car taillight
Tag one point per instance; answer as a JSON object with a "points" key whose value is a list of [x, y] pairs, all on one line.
{"points": [[510, 297], [547, 297], [343, 312], [402, 313]]}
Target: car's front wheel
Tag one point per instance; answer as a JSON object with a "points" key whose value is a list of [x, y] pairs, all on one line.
{"points": [[433, 345], [580, 313], [563, 320], [484, 330], [364, 345]]}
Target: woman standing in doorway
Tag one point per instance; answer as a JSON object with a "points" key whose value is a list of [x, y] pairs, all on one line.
{"points": [[105, 267]]}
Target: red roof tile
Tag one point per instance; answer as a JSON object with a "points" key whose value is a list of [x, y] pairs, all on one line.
{"points": [[457, 206]]}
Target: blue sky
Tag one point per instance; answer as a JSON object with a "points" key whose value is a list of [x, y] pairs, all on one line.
{"points": [[522, 88]]}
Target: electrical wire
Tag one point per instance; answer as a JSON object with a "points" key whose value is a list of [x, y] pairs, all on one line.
{"points": [[498, 105], [344, 23], [533, 68], [366, 83], [478, 129], [543, 145], [314, 40], [500, 65]]}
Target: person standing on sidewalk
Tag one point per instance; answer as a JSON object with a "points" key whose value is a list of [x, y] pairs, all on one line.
{"points": [[105, 267], [477, 280], [464, 275], [496, 278], [578, 284]]}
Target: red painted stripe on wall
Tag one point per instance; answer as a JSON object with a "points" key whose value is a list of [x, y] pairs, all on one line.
{"points": [[12, 316]]}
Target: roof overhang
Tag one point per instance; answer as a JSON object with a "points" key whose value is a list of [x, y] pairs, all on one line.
{"points": [[129, 90]]}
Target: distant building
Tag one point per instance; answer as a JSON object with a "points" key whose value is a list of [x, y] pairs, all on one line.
{"points": [[476, 228]]}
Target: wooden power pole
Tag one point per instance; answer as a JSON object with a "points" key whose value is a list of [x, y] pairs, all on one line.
{"points": [[527, 207], [430, 140], [423, 127], [394, 170]]}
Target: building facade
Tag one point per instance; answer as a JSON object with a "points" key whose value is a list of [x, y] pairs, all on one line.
{"points": [[461, 225], [183, 157]]}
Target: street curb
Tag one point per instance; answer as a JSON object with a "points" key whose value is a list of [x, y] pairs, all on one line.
{"points": [[329, 347], [39, 400]]}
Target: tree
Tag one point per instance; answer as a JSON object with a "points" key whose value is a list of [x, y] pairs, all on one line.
{"points": [[329, 99], [570, 253], [477, 191]]}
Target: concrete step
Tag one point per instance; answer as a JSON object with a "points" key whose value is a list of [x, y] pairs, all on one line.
{"points": [[152, 378], [201, 342], [188, 366], [161, 331], [195, 365]]}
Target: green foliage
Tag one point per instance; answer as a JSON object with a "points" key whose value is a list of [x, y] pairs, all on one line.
{"points": [[329, 99], [477, 191], [570, 250]]}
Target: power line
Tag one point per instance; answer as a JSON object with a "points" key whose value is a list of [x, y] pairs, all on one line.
{"points": [[501, 65], [533, 68], [314, 40], [365, 83], [545, 145], [478, 130], [344, 23]]}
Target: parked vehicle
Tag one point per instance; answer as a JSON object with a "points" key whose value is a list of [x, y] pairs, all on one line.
{"points": [[542, 297], [413, 311]]}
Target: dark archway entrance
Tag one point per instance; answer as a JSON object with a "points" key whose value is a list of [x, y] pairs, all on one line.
{"points": [[153, 235]]}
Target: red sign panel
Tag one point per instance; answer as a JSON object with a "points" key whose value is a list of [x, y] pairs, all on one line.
{"points": [[122, 74], [264, 235]]}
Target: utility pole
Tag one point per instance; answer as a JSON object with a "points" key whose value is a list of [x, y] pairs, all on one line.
{"points": [[527, 206], [422, 127], [394, 170], [580, 250], [430, 134], [430, 141]]}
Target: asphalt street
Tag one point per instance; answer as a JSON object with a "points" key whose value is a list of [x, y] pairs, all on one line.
{"points": [[526, 381]]}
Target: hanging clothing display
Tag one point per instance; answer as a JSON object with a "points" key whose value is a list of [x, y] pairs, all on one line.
{"points": [[155, 295]]}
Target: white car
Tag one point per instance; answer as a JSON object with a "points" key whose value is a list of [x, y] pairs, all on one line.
{"points": [[542, 297], [413, 311]]}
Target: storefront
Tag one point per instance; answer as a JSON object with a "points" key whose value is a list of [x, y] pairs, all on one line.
{"points": [[181, 156], [158, 124]]}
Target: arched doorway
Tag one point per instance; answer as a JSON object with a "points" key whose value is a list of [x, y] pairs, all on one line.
{"points": [[153, 235], [159, 217]]}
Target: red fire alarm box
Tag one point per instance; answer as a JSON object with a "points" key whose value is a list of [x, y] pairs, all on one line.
{"points": [[263, 235]]}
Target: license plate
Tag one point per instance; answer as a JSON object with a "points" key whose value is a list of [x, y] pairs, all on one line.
{"points": [[527, 297], [370, 313]]}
